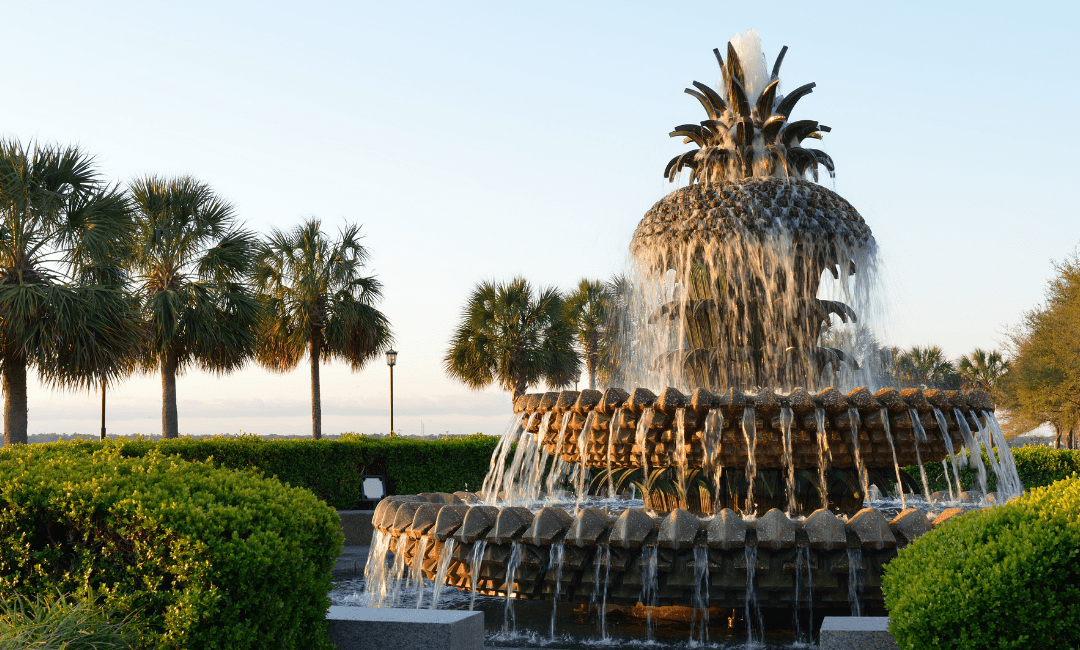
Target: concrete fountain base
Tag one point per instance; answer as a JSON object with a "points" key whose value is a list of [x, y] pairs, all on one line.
{"points": [[367, 628]]}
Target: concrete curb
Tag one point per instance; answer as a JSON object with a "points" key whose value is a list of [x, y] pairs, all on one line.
{"points": [[367, 628], [856, 633]]}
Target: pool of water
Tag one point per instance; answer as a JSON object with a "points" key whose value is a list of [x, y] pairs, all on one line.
{"points": [[528, 624]]}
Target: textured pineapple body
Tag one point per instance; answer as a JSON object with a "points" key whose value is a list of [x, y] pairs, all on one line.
{"points": [[703, 216], [748, 257]]}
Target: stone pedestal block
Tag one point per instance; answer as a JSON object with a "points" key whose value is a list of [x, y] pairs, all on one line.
{"points": [[856, 633], [366, 628]]}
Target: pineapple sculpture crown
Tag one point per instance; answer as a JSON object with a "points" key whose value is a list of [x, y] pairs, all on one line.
{"points": [[749, 133]]}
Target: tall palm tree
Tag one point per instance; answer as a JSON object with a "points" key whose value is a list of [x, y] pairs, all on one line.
{"points": [[983, 369], [512, 337], [317, 299], [589, 313], [192, 263], [63, 310]]}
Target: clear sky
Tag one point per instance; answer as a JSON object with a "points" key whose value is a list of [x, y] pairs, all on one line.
{"points": [[486, 140]]}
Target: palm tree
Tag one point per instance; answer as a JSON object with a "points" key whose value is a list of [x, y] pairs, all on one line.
{"points": [[983, 369], [192, 262], [317, 300], [63, 310], [589, 313], [512, 337], [926, 366]]}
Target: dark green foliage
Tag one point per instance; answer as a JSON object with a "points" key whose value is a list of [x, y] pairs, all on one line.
{"points": [[198, 556], [1037, 465], [1004, 577], [331, 468]]}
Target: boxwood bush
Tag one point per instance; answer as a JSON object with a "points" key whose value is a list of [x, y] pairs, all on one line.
{"points": [[331, 468], [198, 556], [1005, 577]]}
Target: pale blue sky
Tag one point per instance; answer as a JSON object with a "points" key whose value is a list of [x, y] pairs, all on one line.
{"points": [[485, 140]]}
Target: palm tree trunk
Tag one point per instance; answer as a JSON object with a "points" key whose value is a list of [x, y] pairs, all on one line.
{"points": [[316, 392], [169, 426], [15, 399], [519, 390]]}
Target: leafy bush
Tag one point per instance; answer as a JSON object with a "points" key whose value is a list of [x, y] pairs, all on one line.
{"points": [[201, 557], [1005, 577], [1037, 465], [62, 622], [331, 468]]}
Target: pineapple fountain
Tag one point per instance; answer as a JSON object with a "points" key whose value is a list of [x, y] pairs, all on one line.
{"points": [[744, 491]]}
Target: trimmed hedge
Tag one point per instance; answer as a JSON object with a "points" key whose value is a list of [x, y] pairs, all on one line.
{"points": [[199, 556], [331, 468], [1005, 577], [1037, 466]]}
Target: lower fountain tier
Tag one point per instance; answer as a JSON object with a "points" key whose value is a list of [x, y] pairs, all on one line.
{"points": [[811, 430], [822, 549]]}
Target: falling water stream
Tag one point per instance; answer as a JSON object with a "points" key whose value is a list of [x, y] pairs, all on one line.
{"points": [[749, 428], [555, 562]]}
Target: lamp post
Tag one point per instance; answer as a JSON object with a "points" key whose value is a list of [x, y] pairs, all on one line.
{"points": [[102, 407], [391, 360]]}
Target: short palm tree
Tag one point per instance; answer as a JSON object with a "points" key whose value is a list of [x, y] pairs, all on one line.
{"points": [[192, 263], [589, 313], [63, 308], [926, 366], [317, 299], [983, 369], [511, 336]]}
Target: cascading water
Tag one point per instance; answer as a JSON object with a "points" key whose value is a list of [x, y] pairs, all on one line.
{"points": [[509, 622], [701, 595], [786, 416], [854, 557], [920, 438], [416, 574], [974, 454], [445, 555], [680, 455], [753, 611], [896, 464], [493, 481], [864, 477], [475, 562], [398, 571], [824, 456], [648, 587], [375, 570], [954, 458], [1009, 484], [555, 562], [749, 429]]}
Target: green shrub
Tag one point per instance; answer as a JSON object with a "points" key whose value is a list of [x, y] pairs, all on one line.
{"points": [[61, 622], [1037, 465], [331, 468], [1005, 577], [201, 557]]}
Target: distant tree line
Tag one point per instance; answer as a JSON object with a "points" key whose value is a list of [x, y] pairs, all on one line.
{"points": [[100, 280]]}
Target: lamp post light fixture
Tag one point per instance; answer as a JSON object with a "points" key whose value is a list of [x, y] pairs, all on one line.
{"points": [[391, 360]]}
